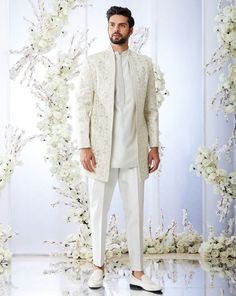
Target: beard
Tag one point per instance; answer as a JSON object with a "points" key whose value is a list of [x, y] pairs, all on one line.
{"points": [[119, 40]]}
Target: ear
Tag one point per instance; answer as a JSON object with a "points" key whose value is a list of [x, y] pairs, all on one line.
{"points": [[131, 31]]}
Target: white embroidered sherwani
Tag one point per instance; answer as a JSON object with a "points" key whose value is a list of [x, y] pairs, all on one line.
{"points": [[95, 101]]}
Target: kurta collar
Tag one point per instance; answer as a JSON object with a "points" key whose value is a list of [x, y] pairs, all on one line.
{"points": [[127, 51]]}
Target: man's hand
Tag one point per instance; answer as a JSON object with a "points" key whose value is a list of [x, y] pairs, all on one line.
{"points": [[153, 159], [87, 159]]}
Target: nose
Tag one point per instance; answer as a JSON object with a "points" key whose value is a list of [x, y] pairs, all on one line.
{"points": [[116, 28]]}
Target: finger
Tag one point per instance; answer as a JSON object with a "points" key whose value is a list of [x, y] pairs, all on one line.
{"points": [[86, 165], [89, 165], [93, 161], [149, 160], [153, 167]]}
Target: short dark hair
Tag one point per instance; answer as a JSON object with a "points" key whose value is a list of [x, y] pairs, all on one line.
{"points": [[121, 11]]}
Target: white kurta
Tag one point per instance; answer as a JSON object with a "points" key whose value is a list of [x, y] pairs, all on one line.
{"points": [[124, 138]]}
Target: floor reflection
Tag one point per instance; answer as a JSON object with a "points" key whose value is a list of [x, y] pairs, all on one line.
{"points": [[51, 276]]}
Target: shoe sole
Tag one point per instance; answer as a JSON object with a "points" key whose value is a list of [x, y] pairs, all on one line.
{"points": [[95, 288], [135, 287]]}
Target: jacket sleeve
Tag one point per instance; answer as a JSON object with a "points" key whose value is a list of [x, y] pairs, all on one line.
{"points": [[151, 110], [84, 104]]}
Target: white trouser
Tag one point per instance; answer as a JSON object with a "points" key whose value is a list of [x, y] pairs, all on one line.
{"points": [[132, 191]]}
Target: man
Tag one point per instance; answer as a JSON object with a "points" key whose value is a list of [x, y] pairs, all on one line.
{"points": [[118, 139]]}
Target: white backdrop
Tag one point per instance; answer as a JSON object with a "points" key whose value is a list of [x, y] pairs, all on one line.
{"points": [[181, 41]]}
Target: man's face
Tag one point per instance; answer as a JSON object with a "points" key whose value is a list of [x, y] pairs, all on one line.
{"points": [[118, 29]]}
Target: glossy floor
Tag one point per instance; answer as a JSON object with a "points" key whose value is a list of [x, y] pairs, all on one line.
{"points": [[179, 275]]}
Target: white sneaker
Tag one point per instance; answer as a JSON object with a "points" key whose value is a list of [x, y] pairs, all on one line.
{"points": [[144, 284], [96, 279]]}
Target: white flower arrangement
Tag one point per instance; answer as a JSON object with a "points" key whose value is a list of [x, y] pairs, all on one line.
{"points": [[226, 35], [53, 105], [219, 247], [226, 94], [189, 241], [14, 143], [56, 130], [5, 258], [222, 246], [75, 249], [226, 29], [206, 162], [43, 34], [138, 38], [161, 90], [169, 241], [5, 255], [223, 183], [218, 255]]}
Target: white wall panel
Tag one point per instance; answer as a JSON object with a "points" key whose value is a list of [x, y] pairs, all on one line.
{"points": [[179, 56]]}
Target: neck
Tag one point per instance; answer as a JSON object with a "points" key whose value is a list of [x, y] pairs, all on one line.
{"points": [[119, 47]]}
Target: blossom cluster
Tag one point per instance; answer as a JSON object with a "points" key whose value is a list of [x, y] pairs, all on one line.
{"points": [[5, 258], [219, 247], [75, 249], [223, 183], [169, 241], [138, 38], [227, 91], [43, 34], [161, 90], [53, 94], [14, 143], [226, 30], [136, 42], [56, 130], [226, 35], [7, 164], [5, 255]]}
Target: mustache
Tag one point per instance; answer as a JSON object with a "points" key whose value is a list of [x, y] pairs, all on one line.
{"points": [[116, 34]]}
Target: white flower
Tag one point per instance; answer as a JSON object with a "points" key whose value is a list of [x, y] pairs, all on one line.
{"points": [[211, 177], [151, 250], [232, 178]]}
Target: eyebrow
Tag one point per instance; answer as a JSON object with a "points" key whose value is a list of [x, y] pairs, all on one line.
{"points": [[118, 23]]}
